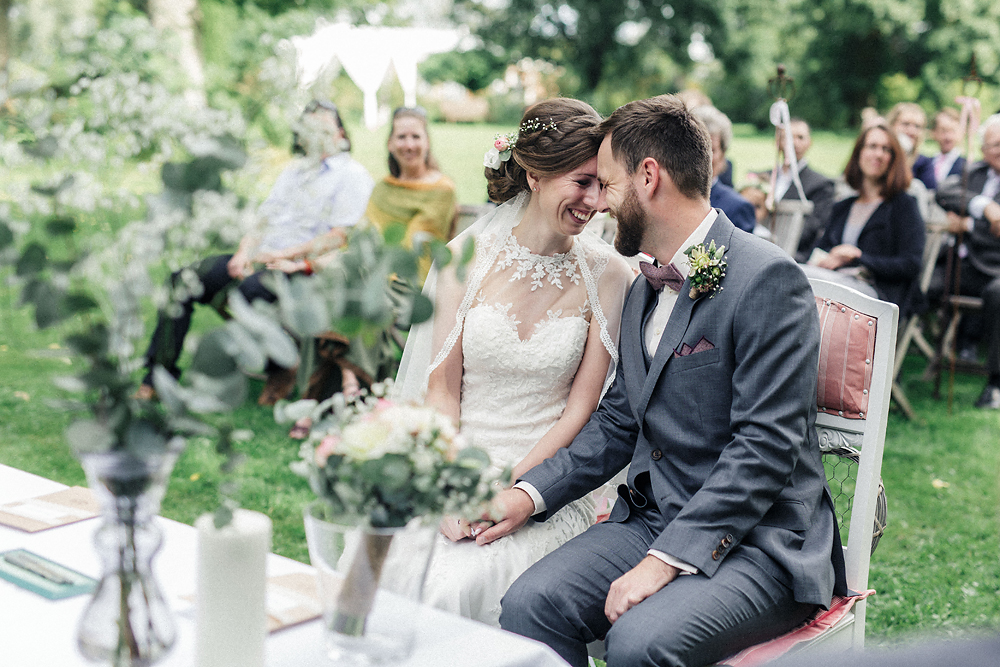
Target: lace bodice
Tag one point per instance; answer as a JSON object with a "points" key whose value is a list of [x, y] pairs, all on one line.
{"points": [[514, 390]]}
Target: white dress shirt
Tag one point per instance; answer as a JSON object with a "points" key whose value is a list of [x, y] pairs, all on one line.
{"points": [[978, 204], [943, 164], [651, 337]]}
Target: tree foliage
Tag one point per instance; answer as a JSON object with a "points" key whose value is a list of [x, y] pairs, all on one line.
{"points": [[844, 54]]}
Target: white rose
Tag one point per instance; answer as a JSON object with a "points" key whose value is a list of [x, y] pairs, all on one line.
{"points": [[492, 159]]}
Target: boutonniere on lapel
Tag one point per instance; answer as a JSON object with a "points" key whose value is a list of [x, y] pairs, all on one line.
{"points": [[708, 268]]}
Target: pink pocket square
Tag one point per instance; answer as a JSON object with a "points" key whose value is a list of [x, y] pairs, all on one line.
{"points": [[703, 345]]}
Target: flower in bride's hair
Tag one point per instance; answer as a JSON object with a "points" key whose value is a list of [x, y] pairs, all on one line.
{"points": [[503, 145]]}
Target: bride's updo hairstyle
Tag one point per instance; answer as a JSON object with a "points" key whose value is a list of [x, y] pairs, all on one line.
{"points": [[556, 136]]}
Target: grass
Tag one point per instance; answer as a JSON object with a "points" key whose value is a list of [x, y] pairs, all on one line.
{"points": [[936, 569]]}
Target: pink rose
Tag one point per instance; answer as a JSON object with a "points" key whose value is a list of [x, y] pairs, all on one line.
{"points": [[326, 447], [500, 144]]}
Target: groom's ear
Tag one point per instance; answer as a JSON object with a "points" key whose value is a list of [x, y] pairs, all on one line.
{"points": [[651, 176]]}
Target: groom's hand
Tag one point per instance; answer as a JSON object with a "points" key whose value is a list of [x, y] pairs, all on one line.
{"points": [[515, 507], [628, 590]]}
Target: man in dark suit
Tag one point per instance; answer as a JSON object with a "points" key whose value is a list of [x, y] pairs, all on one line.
{"points": [[932, 171], [816, 187], [725, 534], [736, 208], [980, 273]]}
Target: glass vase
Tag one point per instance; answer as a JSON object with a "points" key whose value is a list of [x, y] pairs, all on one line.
{"points": [[127, 622], [370, 583]]}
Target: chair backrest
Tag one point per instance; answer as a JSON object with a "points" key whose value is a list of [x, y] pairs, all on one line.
{"points": [[858, 337], [789, 218]]}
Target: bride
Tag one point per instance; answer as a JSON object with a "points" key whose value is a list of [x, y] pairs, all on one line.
{"points": [[521, 350]]}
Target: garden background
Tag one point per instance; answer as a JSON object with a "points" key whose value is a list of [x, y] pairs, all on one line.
{"points": [[92, 90]]}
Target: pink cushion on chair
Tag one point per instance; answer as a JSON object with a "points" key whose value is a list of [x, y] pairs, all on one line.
{"points": [[759, 654], [846, 355]]}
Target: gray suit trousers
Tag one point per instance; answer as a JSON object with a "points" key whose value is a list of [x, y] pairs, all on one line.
{"points": [[693, 621]]}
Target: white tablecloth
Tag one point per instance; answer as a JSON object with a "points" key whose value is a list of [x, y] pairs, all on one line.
{"points": [[36, 632]]}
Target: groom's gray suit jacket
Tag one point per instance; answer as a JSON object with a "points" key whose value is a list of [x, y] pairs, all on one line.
{"points": [[726, 434]]}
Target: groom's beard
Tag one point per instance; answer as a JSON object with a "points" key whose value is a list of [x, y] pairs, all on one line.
{"points": [[632, 221]]}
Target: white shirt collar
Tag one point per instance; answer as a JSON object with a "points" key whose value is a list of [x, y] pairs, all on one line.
{"points": [[680, 260]]}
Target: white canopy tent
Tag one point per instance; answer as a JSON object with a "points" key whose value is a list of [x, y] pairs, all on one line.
{"points": [[366, 52]]}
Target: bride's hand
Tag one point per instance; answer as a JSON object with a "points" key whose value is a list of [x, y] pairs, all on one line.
{"points": [[455, 529]]}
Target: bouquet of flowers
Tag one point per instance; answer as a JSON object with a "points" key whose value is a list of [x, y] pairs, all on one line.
{"points": [[379, 463]]}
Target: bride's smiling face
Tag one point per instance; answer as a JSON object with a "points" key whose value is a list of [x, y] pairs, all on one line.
{"points": [[569, 201]]}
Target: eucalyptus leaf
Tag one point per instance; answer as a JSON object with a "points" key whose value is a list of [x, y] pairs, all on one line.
{"points": [[285, 412], [222, 517], [70, 383], [213, 358], [216, 393], [33, 259], [45, 147], [278, 344], [440, 253], [48, 307], [6, 236], [249, 353], [168, 390], [78, 302], [93, 341], [422, 309], [59, 226], [394, 233], [143, 439], [87, 436]]}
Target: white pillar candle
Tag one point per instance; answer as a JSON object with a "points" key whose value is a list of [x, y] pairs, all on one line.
{"points": [[232, 582]]}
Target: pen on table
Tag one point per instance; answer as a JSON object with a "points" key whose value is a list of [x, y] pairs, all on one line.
{"points": [[27, 562]]}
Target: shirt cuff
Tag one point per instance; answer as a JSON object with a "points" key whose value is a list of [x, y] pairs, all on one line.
{"points": [[977, 205], [685, 568], [536, 497]]}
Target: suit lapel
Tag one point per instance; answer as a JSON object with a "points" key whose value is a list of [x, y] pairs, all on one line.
{"points": [[721, 232]]}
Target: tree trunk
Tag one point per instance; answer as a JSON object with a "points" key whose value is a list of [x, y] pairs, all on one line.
{"points": [[4, 48], [181, 18]]}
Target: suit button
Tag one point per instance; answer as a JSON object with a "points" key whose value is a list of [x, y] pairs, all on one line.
{"points": [[657, 455], [715, 555], [726, 541]]}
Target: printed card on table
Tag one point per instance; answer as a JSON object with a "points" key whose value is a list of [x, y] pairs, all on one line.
{"points": [[49, 511]]}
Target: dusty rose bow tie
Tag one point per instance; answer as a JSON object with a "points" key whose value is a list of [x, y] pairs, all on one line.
{"points": [[658, 276]]}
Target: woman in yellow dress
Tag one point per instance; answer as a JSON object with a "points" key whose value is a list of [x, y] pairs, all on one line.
{"points": [[415, 192]]}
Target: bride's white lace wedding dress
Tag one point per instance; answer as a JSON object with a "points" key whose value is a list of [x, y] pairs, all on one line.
{"points": [[522, 326]]}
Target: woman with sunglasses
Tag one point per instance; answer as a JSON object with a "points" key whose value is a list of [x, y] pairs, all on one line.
{"points": [[415, 193]]}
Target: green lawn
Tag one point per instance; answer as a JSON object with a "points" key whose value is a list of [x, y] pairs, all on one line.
{"points": [[937, 569]]}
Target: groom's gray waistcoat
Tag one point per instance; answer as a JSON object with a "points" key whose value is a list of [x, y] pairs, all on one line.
{"points": [[727, 434]]}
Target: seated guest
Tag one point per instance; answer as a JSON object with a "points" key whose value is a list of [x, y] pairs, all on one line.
{"points": [[875, 240], [933, 170], [980, 271], [739, 211], [414, 193], [909, 122], [815, 186], [758, 198], [305, 215]]}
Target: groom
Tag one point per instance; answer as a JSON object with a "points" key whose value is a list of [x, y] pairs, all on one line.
{"points": [[725, 535]]}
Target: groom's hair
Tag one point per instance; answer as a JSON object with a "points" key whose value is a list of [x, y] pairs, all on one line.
{"points": [[664, 129]]}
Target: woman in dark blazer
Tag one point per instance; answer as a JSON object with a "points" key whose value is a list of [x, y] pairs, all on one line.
{"points": [[878, 235]]}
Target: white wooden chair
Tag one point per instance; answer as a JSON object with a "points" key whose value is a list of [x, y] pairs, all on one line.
{"points": [[853, 392], [787, 222]]}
